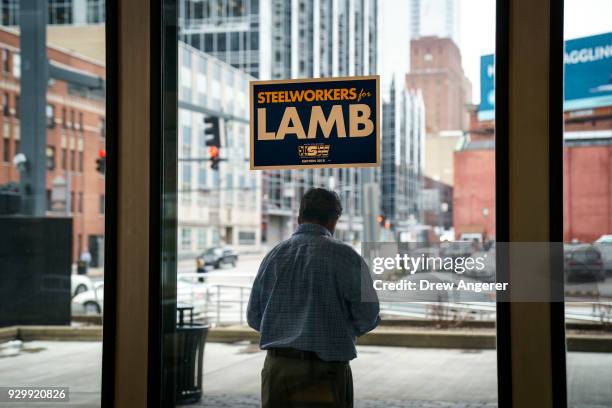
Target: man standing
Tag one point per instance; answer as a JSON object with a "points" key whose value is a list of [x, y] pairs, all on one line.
{"points": [[311, 298]]}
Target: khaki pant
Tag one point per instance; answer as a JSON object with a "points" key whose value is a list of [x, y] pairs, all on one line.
{"points": [[294, 383]]}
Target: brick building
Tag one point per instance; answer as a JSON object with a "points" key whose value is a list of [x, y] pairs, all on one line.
{"points": [[587, 177], [75, 136], [435, 69]]}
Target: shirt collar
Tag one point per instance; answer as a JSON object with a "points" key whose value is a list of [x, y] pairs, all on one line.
{"points": [[308, 228]]}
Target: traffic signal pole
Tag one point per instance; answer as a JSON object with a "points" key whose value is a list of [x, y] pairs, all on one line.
{"points": [[33, 101]]}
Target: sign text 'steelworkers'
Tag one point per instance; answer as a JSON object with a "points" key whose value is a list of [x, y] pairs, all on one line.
{"points": [[308, 123]]}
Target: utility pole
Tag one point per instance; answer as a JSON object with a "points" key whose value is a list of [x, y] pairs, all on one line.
{"points": [[33, 102]]}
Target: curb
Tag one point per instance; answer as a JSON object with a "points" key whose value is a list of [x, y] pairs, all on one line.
{"points": [[390, 338], [57, 333], [426, 339]]}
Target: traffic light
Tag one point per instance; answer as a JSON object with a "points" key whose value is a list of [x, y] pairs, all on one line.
{"points": [[213, 155], [101, 162], [381, 220], [211, 131]]}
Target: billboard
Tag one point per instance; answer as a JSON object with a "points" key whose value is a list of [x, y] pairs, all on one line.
{"points": [[313, 123], [588, 75]]}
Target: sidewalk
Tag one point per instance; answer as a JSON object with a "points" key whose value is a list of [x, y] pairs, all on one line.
{"points": [[393, 377]]}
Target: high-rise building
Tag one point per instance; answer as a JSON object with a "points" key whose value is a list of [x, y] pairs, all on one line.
{"points": [[435, 69], [223, 205], [283, 39], [61, 12], [403, 138], [435, 18]]}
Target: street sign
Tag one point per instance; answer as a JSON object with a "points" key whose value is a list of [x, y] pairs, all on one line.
{"points": [[313, 123]]}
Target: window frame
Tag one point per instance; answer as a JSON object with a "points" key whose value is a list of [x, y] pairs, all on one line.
{"points": [[162, 67]]}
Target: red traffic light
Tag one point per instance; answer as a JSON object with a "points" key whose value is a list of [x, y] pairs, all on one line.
{"points": [[102, 153], [213, 151]]}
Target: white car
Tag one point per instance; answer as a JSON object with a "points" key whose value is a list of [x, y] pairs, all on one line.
{"points": [[90, 302], [80, 284], [190, 293]]}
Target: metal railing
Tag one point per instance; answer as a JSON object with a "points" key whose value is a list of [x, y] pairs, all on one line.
{"points": [[215, 298]]}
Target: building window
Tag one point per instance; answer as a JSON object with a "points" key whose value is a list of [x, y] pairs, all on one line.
{"points": [[101, 204], [201, 238], [60, 12], [50, 158], [64, 160], [6, 66], [72, 160], [185, 238], [72, 203], [50, 115], [80, 202], [6, 150], [5, 104], [16, 148], [72, 119], [79, 244], [186, 177], [102, 127], [17, 101], [246, 238], [49, 202], [64, 124], [16, 65], [81, 162], [95, 11], [81, 121]]}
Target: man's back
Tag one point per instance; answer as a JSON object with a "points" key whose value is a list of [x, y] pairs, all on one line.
{"points": [[307, 296]]}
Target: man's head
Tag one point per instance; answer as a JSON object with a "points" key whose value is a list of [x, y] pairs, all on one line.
{"points": [[320, 206]]}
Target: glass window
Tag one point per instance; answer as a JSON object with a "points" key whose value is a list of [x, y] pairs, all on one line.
{"points": [[435, 183], [52, 246], [186, 238], [586, 214]]}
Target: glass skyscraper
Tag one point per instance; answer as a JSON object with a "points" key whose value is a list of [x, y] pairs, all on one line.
{"points": [[282, 39]]}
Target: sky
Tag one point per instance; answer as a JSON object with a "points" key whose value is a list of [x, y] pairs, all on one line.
{"points": [[477, 32]]}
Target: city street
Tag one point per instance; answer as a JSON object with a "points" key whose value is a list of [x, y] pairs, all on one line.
{"points": [[226, 299], [384, 376]]}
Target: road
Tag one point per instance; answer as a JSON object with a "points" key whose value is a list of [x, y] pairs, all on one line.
{"points": [[384, 376]]}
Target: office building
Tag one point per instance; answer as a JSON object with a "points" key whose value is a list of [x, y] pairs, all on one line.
{"points": [[435, 18], [223, 206], [60, 12], [281, 39], [436, 69], [403, 137]]}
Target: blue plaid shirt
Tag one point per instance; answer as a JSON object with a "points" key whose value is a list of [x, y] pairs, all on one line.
{"points": [[308, 295]]}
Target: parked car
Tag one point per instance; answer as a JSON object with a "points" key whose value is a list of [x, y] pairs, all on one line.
{"points": [[80, 284], [584, 262], [91, 302], [216, 257], [604, 244]]}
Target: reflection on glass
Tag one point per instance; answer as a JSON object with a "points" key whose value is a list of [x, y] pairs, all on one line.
{"points": [[435, 183], [586, 179], [52, 197]]}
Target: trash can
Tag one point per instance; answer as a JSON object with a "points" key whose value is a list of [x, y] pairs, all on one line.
{"points": [[82, 268], [189, 341]]}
